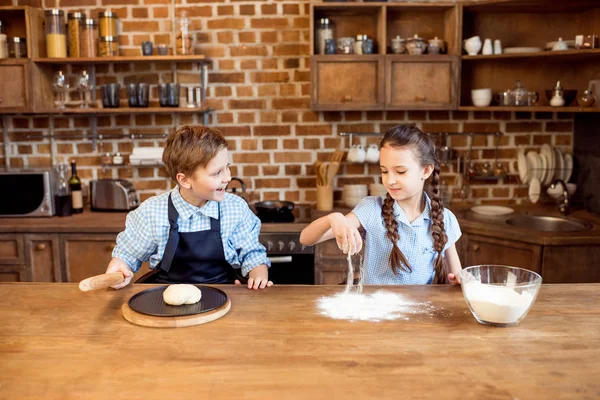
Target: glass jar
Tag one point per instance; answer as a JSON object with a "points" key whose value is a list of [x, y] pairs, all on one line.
{"points": [[75, 22], [358, 44], [183, 41], [324, 33], [109, 47], [89, 38], [3, 46], [519, 96], [587, 99], [108, 23], [17, 47], [56, 37]]}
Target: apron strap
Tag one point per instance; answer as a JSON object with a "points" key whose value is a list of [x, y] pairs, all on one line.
{"points": [[173, 240]]}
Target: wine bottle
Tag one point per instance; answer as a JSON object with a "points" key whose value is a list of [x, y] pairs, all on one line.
{"points": [[75, 185]]}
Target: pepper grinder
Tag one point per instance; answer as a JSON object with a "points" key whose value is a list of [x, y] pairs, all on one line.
{"points": [[557, 96]]}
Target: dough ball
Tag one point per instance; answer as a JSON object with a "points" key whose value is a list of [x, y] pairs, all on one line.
{"points": [[177, 295]]}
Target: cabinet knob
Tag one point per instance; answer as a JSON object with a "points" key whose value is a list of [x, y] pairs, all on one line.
{"points": [[40, 246], [347, 99], [420, 98], [476, 248]]}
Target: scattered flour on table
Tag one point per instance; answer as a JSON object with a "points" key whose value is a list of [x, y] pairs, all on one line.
{"points": [[379, 306]]}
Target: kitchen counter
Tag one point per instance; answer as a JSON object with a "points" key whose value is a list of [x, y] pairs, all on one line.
{"points": [[58, 342]]}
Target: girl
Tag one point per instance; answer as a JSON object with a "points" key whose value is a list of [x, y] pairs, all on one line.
{"points": [[409, 238]]}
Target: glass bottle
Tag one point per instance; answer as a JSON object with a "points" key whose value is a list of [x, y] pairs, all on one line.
{"points": [[62, 196], [324, 32], [56, 37], [183, 40], [74, 27], [76, 193]]}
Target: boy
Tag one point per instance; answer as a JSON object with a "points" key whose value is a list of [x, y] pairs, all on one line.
{"points": [[195, 232]]}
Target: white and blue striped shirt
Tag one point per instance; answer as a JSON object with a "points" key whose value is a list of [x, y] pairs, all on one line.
{"points": [[416, 243], [147, 230]]}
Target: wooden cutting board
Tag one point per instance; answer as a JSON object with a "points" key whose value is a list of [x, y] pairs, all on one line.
{"points": [[173, 322]]}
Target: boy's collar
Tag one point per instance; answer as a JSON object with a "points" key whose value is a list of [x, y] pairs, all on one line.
{"points": [[186, 210]]}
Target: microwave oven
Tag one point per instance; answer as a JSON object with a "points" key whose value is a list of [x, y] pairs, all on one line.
{"points": [[26, 193]]}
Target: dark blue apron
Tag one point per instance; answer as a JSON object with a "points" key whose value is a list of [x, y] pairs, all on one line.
{"points": [[194, 257]]}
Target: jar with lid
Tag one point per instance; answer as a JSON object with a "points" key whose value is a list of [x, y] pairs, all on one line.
{"points": [[108, 21], [75, 22], [358, 44], [183, 41], [56, 36], [3, 46], [89, 38], [17, 47], [324, 32], [109, 47], [518, 96]]}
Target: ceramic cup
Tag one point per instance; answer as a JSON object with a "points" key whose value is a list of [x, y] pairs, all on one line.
{"points": [[372, 154], [472, 45], [481, 97]]}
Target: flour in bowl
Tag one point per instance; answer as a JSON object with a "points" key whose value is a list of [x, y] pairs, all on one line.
{"points": [[496, 304]]}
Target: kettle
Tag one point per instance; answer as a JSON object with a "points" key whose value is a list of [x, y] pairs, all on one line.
{"points": [[240, 191]]}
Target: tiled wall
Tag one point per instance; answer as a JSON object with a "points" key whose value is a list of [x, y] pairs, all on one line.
{"points": [[260, 87]]}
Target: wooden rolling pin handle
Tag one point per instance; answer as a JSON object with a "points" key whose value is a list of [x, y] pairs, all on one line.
{"points": [[101, 281]]}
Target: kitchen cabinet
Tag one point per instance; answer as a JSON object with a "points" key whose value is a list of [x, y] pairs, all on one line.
{"points": [[11, 249], [12, 273], [478, 250], [571, 264], [42, 258], [347, 82], [420, 82], [331, 265], [13, 90]]}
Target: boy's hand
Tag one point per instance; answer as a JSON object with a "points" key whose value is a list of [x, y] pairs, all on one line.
{"points": [[258, 278], [118, 265], [454, 279]]}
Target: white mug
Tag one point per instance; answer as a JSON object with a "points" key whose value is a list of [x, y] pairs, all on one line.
{"points": [[351, 157], [372, 155], [360, 154]]}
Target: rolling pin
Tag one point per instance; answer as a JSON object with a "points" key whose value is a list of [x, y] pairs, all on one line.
{"points": [[101, 281]]}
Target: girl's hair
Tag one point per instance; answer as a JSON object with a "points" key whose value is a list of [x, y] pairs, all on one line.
{"points": [[424, 149]]}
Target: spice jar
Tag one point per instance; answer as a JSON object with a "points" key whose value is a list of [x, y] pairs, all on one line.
{"points": [[3, 46], [89, 38], [108, 23], [324, 32], [75, 21], [183, 40], [56, 37], [17, 47], [109, 47]]}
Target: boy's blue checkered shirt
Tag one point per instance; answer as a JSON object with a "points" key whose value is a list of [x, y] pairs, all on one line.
{"points": [[147, 230]]}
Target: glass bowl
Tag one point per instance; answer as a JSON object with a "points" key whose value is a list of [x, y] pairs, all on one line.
{"points": [[499, 295]]}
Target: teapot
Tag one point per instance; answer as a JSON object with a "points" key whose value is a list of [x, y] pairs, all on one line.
{"points": [[518, 95]]}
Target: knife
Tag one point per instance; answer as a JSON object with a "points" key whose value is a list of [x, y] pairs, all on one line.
{"points": [[101, 281]]}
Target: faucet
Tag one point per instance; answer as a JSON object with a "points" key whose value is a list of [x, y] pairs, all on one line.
{"points": [[563, 205]]}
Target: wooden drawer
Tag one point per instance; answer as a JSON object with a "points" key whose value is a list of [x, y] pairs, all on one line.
{"points": [[413, 83], [12, 273], [11, 249], [347, 82]]}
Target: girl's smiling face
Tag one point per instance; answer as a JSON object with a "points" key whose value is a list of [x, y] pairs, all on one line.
{"points": [[402, 173]]}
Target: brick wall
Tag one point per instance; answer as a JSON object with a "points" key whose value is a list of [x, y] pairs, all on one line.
{"points": [[260, 86]]}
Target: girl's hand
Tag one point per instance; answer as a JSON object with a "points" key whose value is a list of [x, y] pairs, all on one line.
{"points": [[347, 236], [454, 279]]}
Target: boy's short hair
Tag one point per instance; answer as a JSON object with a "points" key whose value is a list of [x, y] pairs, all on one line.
{"points": [[190, 147]]}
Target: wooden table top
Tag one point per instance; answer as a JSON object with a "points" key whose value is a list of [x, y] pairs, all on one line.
{"points": [[57, 342]]}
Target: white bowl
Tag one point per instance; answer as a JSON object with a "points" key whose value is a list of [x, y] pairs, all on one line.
{"points": [[483, 102], [487, 92]]}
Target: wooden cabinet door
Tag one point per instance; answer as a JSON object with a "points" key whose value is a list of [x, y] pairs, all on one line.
{"points": [[88, 255], [13, 86], [347, 82], [331, 265], [571, 264], [482, 250], [42, 257], [11, 249], [426, 82], [12, 273]]}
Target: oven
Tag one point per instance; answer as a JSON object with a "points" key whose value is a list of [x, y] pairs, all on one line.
{"points": [[292, 263]]}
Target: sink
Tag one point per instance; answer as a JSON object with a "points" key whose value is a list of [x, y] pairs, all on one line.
{"points": [[548, 224]]}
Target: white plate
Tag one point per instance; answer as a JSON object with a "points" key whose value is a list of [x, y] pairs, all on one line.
{"points": [[560, 165], [523, 166], [534, 162], [568, 166], [492, 210], [516, 50], [547, 151], [543, 169], [534, 190]]}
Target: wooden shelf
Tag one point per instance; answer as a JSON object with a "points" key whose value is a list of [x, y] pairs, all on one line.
{"points": [[121, 110], [570, 54], [533, 109], [529, 6], [109, 60]]}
